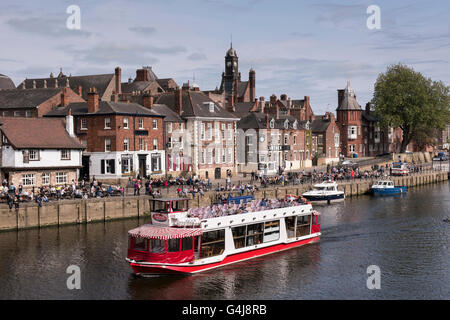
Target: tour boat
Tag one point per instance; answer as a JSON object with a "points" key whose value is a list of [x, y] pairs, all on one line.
{"points": [[325, 192], [387, 187], [186, 241]]}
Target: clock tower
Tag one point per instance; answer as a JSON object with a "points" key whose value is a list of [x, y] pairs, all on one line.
{"points": [[231, 73]]}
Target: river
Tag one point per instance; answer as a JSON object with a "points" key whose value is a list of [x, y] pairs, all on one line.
{"points": [[404, 236]]}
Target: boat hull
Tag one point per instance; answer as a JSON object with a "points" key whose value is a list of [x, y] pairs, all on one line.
{"points": [[144, 269], [389, 191], [324, 198]]}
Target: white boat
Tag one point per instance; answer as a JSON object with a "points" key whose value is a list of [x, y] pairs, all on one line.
{"points": [[325, 192]]}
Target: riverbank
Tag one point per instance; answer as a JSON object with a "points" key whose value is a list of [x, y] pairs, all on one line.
{"points": [[64, 212]]}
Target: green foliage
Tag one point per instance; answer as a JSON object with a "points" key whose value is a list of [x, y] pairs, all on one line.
{"points": [[406, 99]]}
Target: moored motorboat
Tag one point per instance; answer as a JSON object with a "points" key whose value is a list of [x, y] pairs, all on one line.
{"points": [[325, 192], [387, 187], [189, 241]]}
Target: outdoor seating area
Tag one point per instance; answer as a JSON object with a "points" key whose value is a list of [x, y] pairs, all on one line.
{"points": [[233, 209]]}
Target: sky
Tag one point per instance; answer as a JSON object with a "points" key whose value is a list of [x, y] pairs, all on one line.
{"points": [[299, 48]]}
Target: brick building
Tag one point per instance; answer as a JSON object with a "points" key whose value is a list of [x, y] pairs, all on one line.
{"points": [[33, 103], [123, 139], [326, 138]]}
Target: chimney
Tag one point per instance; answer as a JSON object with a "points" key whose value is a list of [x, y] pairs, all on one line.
{"points": [[80, 91], [340, 96], [283, 97], [289, 103], [252, 83], [45, 83], [23, 84], [64, 98], [92, 100], [307, 101], [56, 83], [277, 107], [69, 124], [262, 104], [368, 108], [148, 101], [118, 78], [142, 75], [67, 83], [231, 102], [34, 84], [186, 86], [178, 95], [273, 99]]}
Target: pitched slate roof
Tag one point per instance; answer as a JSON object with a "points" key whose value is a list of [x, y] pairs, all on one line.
{"points": [[104, 108], [26, 98], [170, 115], [369, 117], [128, 87], [320, 125], [193, 105], [39, 133], [254, 120], [243, 108], [164, 83], [6, 82], [99, 81], [349, 100]]}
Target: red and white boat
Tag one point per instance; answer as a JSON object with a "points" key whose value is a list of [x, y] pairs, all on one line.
{"points": [[186, 241]]}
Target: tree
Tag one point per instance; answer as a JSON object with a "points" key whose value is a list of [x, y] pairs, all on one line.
{"points": [[405, 99]]}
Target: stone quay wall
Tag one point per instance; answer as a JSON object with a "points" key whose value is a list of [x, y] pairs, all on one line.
{"points": [[57, 213]]}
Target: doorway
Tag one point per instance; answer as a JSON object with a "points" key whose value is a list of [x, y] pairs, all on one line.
{"points": [[142, 165]]}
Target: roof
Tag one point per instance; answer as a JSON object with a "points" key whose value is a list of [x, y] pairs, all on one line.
{"points": [[243, 108], [104, 108], [6, 82], [320, 125], [26, 98], [348, 101], [164, 233], [255, 120], [38, 133], [164, 83], [242, 87], [170, 115], [128, 87], [369, 117], [193, 105], [99, 81]]}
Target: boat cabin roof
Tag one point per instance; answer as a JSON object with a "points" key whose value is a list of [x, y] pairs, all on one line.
{"points": [[148, 231], [169, 199]]}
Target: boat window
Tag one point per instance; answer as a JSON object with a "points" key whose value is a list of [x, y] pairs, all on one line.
{"points": [[316, 220], [176, 205], [158, 206], [213, 243], [271, 231], [290, 227], [330, 188], [157, 246], [186, 244], [173, 245], [303, 226], [239, 236], [254, 234], [140, 244]]}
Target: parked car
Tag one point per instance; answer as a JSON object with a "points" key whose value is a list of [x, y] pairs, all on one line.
{"points": [[400, 169]]}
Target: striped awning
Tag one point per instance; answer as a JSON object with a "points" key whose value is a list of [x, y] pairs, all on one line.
{"points": [[164, 233]]}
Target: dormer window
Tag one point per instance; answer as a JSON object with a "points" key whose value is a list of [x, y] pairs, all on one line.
{"points": [[286, 124], [210, 106], [272, 124], [307, 125], [295, 125]]}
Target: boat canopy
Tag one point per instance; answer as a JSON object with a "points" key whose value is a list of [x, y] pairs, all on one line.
{"points": [[164, 233]]}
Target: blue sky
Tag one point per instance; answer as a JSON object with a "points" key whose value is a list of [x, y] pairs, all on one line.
{"points": [[296, 47]]}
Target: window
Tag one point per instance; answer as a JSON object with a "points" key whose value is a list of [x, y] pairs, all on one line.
{"points": [[127, 163], [181, 127], [46, 178], [157, 246], [141, 143], [295, 140], [83, 124], [223, 131], [286, 139], [5, 113], [107, 123], [140, 244], [303, 226], [213, 243], [209, 156], [186, 244], [169, 142], [155, 124], [202, 132], [28, 180], [272, 124], [125, 123], [173, 245], [209, 131], [65, 154], [223, 156], [61, 177], [16, 113], [271, 231], [352, 132], [107, 144], [336, 140], [141, 123], [203, 160], [33, 155], [230, 131], [169, 127], [352, 148], [126, 145], [28, 113], [155, 162], [155, 144], [248, 235]]}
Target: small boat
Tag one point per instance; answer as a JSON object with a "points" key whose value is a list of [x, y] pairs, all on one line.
{"points": [[387, 187], [325, 192]]}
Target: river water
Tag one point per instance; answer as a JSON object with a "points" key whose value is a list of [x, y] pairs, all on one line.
{"points": [[404, 236]]}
